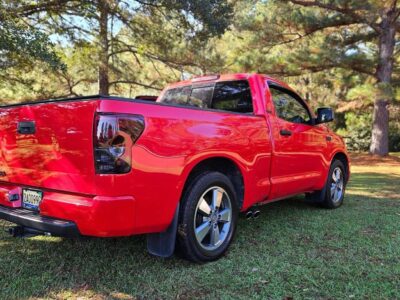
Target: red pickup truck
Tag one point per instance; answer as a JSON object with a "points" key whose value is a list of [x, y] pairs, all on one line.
{"points": [[179, 169]]}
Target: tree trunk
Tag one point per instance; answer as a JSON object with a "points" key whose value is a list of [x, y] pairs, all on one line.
{"points": [[103, 53], [380, 127]]}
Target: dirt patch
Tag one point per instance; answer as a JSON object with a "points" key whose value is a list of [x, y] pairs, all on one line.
{"points": [[365, 163], [365, 159]]}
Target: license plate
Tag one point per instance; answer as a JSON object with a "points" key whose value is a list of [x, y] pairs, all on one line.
{"points": [[31, 199]]}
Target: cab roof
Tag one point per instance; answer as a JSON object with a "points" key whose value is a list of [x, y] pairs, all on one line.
{"points": [[226, 77]]}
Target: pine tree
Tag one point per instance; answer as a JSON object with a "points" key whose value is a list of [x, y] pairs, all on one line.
{"points": [[320, 35], [91, 20]]}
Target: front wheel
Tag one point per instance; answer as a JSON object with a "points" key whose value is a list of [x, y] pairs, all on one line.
{"points": [[335, 185], [332, 195], [208, 217]]}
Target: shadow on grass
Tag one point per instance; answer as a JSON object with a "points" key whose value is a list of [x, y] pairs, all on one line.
{"points": [[290, 231]]}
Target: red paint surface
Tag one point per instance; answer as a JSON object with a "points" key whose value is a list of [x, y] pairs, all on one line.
{"points": [[58, 158]]}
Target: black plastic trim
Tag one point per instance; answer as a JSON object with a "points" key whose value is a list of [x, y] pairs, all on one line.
{"points": [[33, 220]]}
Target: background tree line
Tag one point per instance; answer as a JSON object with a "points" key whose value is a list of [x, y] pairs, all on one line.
{"points": [[339, 53]]}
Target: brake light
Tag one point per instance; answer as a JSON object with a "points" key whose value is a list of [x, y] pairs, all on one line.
{"points": [[114, 136]]}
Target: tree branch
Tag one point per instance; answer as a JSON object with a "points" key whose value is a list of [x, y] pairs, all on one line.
{"points": [[343, 10], [135, 83], [31, 9]]}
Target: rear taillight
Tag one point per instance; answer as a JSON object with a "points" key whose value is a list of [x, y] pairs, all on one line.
{"points": [[114, 136]]}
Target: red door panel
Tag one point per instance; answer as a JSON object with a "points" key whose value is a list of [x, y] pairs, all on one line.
{"points": [[297, 158], [299, 145]]}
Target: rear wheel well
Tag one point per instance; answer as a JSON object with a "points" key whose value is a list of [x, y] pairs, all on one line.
{"points": [[224, 166], [343, 158]]}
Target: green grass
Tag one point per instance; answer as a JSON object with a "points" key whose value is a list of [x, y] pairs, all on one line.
{"points": [[293, 250]]}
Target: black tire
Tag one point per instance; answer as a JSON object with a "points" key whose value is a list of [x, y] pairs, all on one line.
{"points": [[329, 201], [200, 186], [324, 196]]}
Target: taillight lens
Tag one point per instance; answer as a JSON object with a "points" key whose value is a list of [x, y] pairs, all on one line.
{"points": [[114, 136]]}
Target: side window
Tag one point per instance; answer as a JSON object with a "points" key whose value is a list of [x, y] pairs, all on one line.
{"points": [[201, 96], [233, 96], [177, 96], [288, 107]]}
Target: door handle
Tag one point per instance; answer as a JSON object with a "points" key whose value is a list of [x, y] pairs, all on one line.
{"points": [[285, 132]]}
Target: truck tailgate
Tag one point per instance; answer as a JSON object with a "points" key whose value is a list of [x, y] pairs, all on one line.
{"points": [[49, 145]]}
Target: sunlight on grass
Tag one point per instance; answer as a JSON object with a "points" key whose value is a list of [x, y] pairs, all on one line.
{"points": [[397, 154], [374, 185], [391, 169], [48, 239]]}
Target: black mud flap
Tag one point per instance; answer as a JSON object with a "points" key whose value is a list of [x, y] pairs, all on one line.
{"points": [[162, 244], [317, 196]]}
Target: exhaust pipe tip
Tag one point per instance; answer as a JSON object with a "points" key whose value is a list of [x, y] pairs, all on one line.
{"points": [[249, 214], [252, 214], [256, 214]]}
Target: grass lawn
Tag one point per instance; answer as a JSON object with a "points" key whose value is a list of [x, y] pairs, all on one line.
{"points": [[293, 250]]}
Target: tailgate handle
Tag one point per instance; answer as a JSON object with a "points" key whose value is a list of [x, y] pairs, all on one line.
{"points": [[26, 127]]}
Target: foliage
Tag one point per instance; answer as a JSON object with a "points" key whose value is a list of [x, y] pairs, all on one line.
{"points": [[161, 32], [21, 44], [298, 37], [356, 134]]}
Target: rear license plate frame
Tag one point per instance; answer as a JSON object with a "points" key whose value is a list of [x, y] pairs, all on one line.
{"points": [[31, 198]]}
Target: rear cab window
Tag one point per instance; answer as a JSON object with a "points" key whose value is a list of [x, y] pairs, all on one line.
{"points": [[233, 96]]}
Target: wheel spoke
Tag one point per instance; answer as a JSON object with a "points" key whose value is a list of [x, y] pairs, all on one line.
{"points": [[340, 185], [337, 175], [225, 215], [216, 199], [334, 177], [333, 189], [204, 207], [202, 231], [214, 235], [335, 196]]}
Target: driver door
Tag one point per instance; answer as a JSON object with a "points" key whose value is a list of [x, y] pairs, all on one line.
{"points": [[297, 161]]}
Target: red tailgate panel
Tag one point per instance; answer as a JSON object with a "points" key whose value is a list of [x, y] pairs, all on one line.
{"points": [[58, 155]]}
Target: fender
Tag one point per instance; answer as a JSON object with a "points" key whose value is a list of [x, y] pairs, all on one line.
{"points": [[244, 167]]}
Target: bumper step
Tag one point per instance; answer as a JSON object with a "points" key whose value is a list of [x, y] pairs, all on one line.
{"points": [[33, 220]]}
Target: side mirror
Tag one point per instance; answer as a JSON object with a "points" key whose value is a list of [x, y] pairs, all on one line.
{"points": [[325, 115]]}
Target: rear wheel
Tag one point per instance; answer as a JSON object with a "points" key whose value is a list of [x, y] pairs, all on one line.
{"points": [[208, 217]]}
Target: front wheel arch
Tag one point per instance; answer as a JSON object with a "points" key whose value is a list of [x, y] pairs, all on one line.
{"points": [[346, 163], [320, 196]]}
